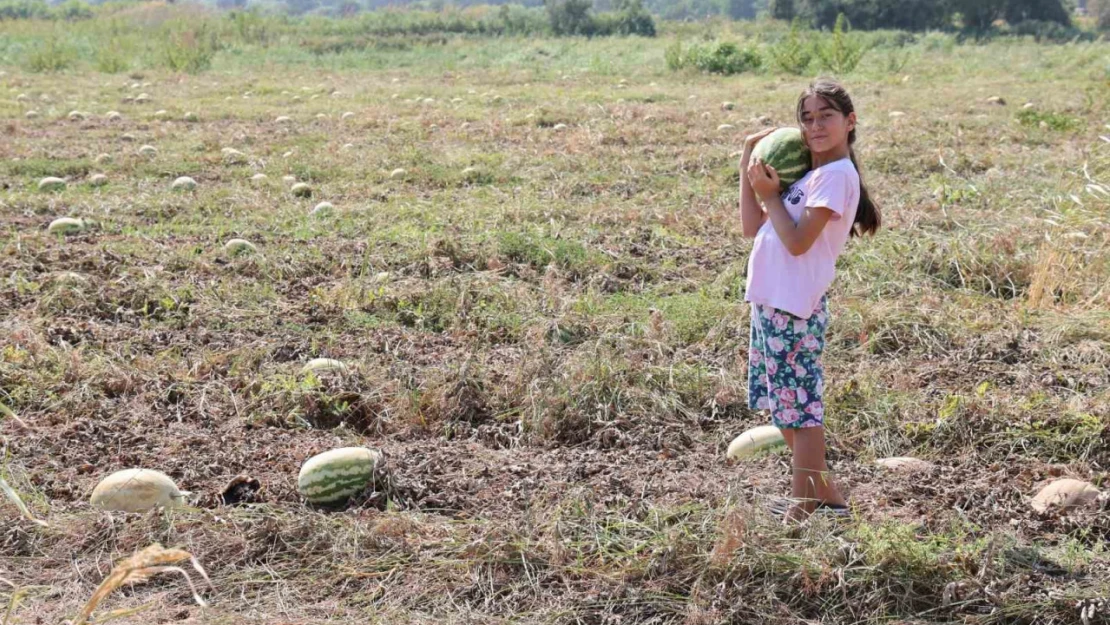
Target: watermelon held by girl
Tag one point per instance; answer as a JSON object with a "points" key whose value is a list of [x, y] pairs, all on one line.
{"points": [[786, 151]]}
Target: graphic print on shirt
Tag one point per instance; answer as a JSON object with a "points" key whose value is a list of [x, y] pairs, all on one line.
{"points": [[794, 195]]}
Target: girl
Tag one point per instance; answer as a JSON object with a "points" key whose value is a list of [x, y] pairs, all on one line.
{"points": [[798, 237]]}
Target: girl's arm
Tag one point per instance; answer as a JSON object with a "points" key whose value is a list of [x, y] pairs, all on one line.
{"points": [[752, 215], [797, 237]]}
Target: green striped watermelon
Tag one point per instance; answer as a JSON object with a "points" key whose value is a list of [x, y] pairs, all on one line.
{"points": [[334, 476], [786, 151]]}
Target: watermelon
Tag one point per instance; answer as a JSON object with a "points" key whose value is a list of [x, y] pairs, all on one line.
{"points": [[334, 476], [786, 151], [136, 490], [754, 441]]}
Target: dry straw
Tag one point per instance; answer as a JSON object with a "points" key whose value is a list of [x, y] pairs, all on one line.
{"points": [[139, 568]]}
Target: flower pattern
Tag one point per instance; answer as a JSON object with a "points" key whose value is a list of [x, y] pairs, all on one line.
{"points": [[785, 372]]}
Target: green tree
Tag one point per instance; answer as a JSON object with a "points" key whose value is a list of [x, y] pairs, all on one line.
{"points": [[782, 9], [570, 17], [741, 9]]}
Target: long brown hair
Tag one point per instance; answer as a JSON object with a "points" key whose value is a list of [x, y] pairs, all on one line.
{"points": [[868, 217]]}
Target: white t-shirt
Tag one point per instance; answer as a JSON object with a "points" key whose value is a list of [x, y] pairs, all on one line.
{"points": [[795, 284]]}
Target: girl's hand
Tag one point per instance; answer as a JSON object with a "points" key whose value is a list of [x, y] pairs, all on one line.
{"points": [[764, 179], [751, 140]]}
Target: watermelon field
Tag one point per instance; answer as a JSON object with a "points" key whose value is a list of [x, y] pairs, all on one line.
{"points": [[520, 261]]}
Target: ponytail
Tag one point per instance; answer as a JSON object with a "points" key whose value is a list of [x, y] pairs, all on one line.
{"points": [[868, 217]]}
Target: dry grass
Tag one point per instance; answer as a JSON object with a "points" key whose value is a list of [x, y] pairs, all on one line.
{"points": [[551, 352]]}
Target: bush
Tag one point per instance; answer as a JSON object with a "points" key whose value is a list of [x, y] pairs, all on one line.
{"points": [[842, 51], [792, 54], [52, 55], [570, 17], [1042, 30], [24, 10], [189, 50], [722, 58]]}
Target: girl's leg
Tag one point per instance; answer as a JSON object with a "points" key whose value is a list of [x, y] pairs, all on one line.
{"points": [[812, 481]]}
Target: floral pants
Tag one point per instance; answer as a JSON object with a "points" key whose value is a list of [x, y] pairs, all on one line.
{"points": [[785, 374]]}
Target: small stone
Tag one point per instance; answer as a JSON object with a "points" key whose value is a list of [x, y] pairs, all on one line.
{"points": [[288, 179], [102, 158], [31, 114], [141, 98], [996, 100], [897, 114], [113, 116], [347, 115], [725, 127], [76, 116], [397, 173], [161, 114], [258, 177], [98, 180], [284, 119], [559, 127]]}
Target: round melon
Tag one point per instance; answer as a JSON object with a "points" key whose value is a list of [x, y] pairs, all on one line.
{"points": [[98, 180], [320, 365], [322, 209], [905, 464], [754, 441], [184, 183], [136, 490], [66, 225], [332, 477], [148, 151], [235, 247], [785, 150], [50, 183], [301, 189], [397, 173], [1065, 493]]}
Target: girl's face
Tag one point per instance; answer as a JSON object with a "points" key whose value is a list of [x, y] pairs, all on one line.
{"points": [[824, 127]]}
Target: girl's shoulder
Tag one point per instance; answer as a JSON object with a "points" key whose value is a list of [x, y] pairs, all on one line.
{"points": [[833, 170]]}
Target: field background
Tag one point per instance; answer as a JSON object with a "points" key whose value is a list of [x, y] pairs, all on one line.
{"points": [[550, 346]]}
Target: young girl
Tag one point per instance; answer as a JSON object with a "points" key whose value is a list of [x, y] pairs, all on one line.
{"points": [[798, 237]]}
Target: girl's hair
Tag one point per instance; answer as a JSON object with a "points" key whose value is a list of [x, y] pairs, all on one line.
{"points": [[868, 217]]}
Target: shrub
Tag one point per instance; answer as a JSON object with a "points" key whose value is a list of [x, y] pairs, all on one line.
{"points": [[570, 17], [782, 9], [1042, 30], [792, 54], [842, 51], [189, 50], [721, 58], [52, 55]]}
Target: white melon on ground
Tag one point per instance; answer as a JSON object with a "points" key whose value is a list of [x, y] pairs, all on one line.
{"points": [[235, 247], [301, 189], [184, 183], [259, 177], [113, 116], [103, 158], [136, 490], [67, 225], [288, 179], [321, 365], [98, 180], [283, 120], [148, 151], [322, 209], [191, 117], [397, 173], [904, 464], [347, 115], [1065, 493], [334, 476], [50, 183], [233, 156], [31, 114], [755, 440]]}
